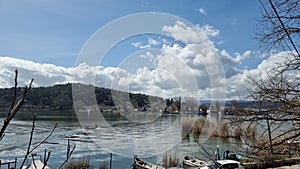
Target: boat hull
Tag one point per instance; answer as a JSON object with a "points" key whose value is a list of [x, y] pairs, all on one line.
{"points": [[139, 164]]}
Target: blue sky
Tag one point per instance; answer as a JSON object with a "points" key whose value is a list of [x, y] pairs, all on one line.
{"points": [[46, 38], [55, 31]]}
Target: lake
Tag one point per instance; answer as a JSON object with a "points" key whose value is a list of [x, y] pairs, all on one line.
{"points": [[148, 135]]}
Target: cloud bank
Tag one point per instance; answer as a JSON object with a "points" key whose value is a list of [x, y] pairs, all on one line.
{"points": [[196, 68]]}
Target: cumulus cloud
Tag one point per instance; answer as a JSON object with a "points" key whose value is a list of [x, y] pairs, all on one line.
{"points": [[179, 32], [195, 69], [238, 83], [44, 74], [228, 60], [49, 74]]}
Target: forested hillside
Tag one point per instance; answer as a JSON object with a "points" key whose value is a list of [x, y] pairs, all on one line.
{"points": [[59, 97]]}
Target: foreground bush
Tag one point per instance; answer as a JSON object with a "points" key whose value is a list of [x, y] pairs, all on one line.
{"points": [[79, 164]]}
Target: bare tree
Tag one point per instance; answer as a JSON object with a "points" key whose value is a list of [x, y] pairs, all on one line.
{"points": [[12, 113], [275, 112], [279, 26]]}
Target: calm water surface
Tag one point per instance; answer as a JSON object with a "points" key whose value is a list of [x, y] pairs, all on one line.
{"points": [[119, 135]]}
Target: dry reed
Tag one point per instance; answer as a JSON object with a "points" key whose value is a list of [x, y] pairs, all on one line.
{"points": [[169, 161], [223, 130], [196, 126], [237, 132], [250, 132]]}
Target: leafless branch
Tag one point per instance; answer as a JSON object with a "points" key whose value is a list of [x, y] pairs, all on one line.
{"points": [[29, 150], [69, 153], [15, 92], [30, 141], [46, 159], [14, 108]]}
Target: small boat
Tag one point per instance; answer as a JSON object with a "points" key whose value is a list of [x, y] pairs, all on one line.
{"points": [[139, 164], [91, 127], [232, 156], [221, 164], [193, 162]]}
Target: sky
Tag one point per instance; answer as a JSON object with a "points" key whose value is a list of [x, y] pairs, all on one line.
{"points": [[199, 48]]}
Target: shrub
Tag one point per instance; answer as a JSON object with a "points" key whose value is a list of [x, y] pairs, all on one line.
{"points": [[79, 164]]}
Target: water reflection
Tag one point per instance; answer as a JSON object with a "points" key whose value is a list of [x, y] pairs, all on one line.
{"points": [[119, 136]]}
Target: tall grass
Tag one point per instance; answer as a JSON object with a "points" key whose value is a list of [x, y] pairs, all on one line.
{"points": [[250, 132], [186, 125], [190, 125], [224, 129], [198, 126], [237, 132], [170, 161]]}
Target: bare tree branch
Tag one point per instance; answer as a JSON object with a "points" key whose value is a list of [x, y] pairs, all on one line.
{"points": [[69, 153], [46, 159], [30, 141], [29, 150], [15, 92], [11, 114]]}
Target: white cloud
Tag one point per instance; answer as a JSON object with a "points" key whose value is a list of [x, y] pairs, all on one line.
{"points": [[49, 74], [190, 34], [202, 11], [210, 30], [140, 45], [136, 44], [149, 56], [182, 32], [228, 60], [238, 82], [196, 69], [43, 74], [153, 42], [150, 43]]}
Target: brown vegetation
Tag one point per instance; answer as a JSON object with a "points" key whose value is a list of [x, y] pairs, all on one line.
{"points": [[226, 129], [192, 125], [237, 131], [171, 161], [78, 164], [275, 90], [250, 132], [223, 130]]}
